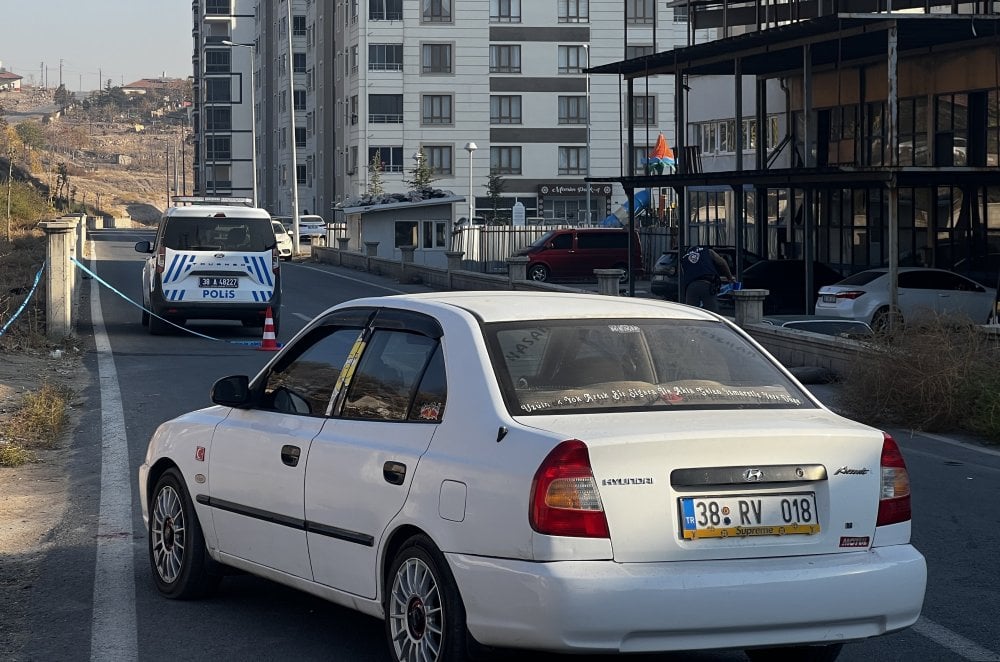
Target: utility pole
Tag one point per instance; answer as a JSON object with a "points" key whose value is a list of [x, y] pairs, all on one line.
{"points": [[10, 177], [60, 72]]}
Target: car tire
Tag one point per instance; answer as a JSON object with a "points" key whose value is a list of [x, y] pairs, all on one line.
{"points": [[881, 320], [145, 318], [827, 653], [178, 557], [424, 613], [159, 327], [538, 272], [624, 277]]}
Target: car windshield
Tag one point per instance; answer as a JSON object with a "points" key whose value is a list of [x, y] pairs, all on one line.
{"points": [[249, 235], [572, 366], [279, 228]]}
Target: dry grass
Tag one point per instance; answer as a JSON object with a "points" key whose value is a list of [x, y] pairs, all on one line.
{"points": [[934, 377], [37, 423]]}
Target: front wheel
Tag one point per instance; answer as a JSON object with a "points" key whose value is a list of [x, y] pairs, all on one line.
{"points": [[424, 614], [826, 653], [624, 277], [538, 272], [177, 553]]}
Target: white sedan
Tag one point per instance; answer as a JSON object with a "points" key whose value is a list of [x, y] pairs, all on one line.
{"points": [[923, 293], [548, 471]]}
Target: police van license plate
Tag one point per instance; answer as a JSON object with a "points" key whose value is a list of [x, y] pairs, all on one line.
{"points": [[748, 515], [217, 281]]}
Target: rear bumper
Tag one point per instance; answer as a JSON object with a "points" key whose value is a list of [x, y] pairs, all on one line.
{"points": [[214, 310], [603, 606]]}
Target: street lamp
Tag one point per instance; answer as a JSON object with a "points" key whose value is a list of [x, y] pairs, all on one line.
{"points": [[586, 183], [253, 116], [470, 147], [296, 246]]}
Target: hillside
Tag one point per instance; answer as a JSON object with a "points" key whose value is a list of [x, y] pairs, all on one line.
{"points": [[111, 161]]}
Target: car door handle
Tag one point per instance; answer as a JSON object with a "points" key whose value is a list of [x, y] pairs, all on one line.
{"points": [[290, 455], [394, 472]]}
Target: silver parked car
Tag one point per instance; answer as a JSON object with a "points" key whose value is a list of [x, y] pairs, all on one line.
{"points": [[923, 293]]}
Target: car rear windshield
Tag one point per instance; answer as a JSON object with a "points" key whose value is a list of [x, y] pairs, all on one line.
{"points": [[574, 366], [249, 235]]}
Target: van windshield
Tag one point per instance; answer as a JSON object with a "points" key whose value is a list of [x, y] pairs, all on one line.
{"points": [[248, 235], [541, 241]]}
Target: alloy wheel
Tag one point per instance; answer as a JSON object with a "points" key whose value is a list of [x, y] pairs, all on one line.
{"points": [[416, 613], [169, 534]]}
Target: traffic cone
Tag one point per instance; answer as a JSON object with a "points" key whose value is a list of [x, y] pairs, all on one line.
{"points": [[268, 343]]}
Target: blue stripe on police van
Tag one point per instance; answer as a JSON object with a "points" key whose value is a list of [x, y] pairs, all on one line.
{"points": [[255, 296], [267, 271], [170, 269], [251, 264]]}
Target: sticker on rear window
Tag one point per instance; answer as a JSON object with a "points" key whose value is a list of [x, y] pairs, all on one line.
{"points": [[623, 328]]}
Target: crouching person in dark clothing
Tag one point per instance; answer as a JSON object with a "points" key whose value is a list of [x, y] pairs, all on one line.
{"points": [[702, 272]]}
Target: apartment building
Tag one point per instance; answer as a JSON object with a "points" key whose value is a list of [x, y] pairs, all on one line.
{"points": [[437, 77]]}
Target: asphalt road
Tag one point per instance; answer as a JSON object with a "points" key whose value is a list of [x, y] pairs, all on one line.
{"points": [[93, 604]]}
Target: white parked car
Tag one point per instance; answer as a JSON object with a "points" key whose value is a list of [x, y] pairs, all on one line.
{"points": [[284, 240], [923, 293], [310, 226], [552, 471]]}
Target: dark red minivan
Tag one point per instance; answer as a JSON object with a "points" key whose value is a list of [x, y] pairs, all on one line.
{"points": [[574, 253]]}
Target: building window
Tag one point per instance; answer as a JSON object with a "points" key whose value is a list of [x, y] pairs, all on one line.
{"points": [[435, 58], [573, 110], [301, 174], [505, 59], [993, 128], [299, 63], [951, 135], [439, 159], [572, 59], [352, 160], [385, 10], [505, 160], [572, 160], [300, 136], [299, 99], [505, 109], [505, 11], [644, 110], [298, 26], [640, 155], [574, 11], [640, 11], [218, 7], [391, 158], [218, 118], [218, 89], [217, 61], [218, 148], [632, 52], [435, 11], [385, 108], [354, 109], [354, 59], [385, 57], [680, 14], [436, 109]]}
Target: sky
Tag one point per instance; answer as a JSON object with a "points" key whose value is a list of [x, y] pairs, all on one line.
{"points": [[123, 40]]}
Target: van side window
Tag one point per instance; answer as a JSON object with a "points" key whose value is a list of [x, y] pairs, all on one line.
{"points": [[563, 241], [593, 240]]}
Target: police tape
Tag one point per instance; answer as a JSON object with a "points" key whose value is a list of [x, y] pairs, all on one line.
{"points": [[24, 304], [243, 343]]}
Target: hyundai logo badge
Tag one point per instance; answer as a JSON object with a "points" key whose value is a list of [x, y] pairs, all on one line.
{"points": [[753, 475], [220, 255]]}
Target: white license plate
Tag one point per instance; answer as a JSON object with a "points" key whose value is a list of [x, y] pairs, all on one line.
{"points": [[217, 281], [829, 298], [748, 515], [659, 278]]}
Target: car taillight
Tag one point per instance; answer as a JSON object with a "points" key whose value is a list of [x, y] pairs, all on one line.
{"points": [[564, 496], [850, 294], [161, 259], [894, 495]]}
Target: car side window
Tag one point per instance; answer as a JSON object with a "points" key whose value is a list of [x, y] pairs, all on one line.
{"points": [[562, 241], [304, 385], [428, 403], [387, 375]]}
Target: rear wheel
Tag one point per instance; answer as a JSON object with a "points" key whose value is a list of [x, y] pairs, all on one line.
{"points": [[424, 614], [159, 327], [624, 277], [538, 272], [884, 318], [145, 318], [827, 653]]}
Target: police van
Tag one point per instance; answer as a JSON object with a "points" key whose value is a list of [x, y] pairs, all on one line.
{"points": [[214, 258]]}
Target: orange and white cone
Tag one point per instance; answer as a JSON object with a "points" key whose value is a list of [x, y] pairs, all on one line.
{"points": [[269, 343]]}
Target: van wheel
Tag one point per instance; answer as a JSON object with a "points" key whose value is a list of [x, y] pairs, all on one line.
{"points": [[624, 277], [158, 327], [145, 318], [538, 272]]}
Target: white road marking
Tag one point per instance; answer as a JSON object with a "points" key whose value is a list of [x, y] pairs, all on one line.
{"points": [[954, 642], [113, 626], [355, 280]]}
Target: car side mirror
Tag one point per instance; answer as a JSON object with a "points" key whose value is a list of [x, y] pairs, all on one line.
{"points": [[143, 247], [233, 391]]}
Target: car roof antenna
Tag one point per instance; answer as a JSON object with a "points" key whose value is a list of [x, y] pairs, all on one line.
{"points": [[501, 433]]}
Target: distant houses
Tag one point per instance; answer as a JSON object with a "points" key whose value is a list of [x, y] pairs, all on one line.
{"points": [[10, 82]]}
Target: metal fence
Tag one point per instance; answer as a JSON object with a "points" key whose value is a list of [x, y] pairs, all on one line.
{"points": [[487, 247]]}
